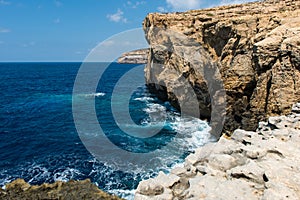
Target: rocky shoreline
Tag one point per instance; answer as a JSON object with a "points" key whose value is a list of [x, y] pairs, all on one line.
{"points": [[247, 165], [257, 51], [20, 190]]}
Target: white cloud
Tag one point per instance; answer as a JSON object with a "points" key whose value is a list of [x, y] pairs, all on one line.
{"points": [[161, 9], [227, 2], [138, 3], [4, 30], [184, 4], [134, 4], [56, 21], [5, 3], [117, 17]]}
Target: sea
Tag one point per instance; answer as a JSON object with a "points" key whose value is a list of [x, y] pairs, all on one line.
{"points": [[40, 143]]}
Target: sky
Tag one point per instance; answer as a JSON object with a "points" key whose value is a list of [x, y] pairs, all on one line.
{"points": [[65, 30]]}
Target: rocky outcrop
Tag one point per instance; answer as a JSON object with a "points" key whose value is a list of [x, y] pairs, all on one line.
{"points": [[248, 165], [255, 48], [20, 190], [139, 56]]}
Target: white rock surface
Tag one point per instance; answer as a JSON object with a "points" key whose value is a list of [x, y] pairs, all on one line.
{"points": [[249, 165]]}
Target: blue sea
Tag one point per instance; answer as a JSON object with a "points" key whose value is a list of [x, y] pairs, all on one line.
{"points": [[40, 143]]}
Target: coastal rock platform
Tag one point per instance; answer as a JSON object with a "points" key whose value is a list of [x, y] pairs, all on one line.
{"points": [[264, 164]]}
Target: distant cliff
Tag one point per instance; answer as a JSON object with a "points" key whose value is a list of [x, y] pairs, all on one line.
{"points": [[139, 56], [256, 47]]}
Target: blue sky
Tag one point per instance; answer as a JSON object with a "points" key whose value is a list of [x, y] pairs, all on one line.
{"points": [[65, 30]]}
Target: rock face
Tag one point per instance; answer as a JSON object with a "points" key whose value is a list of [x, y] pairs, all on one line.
{"points": [[134, 57], [20, 190], [248, 165], [255, 46]]}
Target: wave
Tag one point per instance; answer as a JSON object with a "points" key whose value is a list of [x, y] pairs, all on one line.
{"points": [[180, 133], [98, 94], [5, 181], [125, 194], [66, 175], [193, 132], [144, 99], [154, 108]]}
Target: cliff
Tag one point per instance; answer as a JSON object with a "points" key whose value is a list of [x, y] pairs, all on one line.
{"points": [[139, 56], [255, 48], [248, 165], [20, 190]]}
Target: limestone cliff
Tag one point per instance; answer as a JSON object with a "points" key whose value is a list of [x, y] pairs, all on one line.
{"points": [[255, 46]]}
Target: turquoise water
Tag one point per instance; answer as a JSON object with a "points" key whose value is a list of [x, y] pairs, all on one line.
{"points": [[39, 141]]}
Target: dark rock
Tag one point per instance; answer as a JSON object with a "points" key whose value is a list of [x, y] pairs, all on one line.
{"points": [[20, 190]]}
